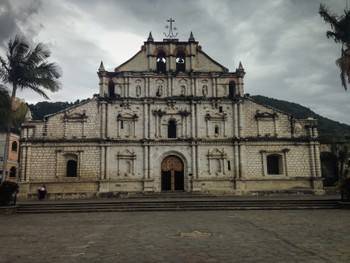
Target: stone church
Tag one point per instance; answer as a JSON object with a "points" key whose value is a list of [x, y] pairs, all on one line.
{"points": [[171, 118]]}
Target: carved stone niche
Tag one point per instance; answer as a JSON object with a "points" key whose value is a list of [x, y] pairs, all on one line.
{"points": [[75, 117], [217, 116], [266, 123], [126, 162], [216, 161], [127, 123], [265, 115]]}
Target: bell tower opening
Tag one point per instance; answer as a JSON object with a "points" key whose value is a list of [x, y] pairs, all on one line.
{"points": [[232, 89], [161, 62], [180, 62]]}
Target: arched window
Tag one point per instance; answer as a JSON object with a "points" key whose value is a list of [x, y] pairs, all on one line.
{"points": [[161, 62], [172, 129], [138, 90], [14, 146], [13, 171], [180, 62], [232, 89], [72, 168], [274, 164], [111, 89]]}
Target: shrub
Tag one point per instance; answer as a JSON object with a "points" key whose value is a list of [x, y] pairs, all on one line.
{"points": [[8, 191], [345, 189]]}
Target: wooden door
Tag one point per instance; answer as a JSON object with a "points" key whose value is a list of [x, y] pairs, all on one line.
{"points": [[172, 174]]}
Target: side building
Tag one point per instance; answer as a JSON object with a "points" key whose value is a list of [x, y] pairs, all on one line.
{"points": [[12, 163], [170, 119]]}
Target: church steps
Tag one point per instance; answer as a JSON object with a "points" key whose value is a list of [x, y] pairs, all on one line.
{"points": [[175, 205]]}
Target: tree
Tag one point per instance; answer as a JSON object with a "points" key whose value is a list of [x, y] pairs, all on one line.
{"points": [[5, 108], [26, 68], [340, 33]]}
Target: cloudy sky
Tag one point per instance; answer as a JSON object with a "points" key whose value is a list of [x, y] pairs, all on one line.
{"points": [[281, 43]]}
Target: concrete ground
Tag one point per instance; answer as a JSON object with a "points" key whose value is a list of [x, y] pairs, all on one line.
{"points": [[214, 236]]}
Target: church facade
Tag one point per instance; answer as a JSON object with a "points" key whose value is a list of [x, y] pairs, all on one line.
{"points": [[170, 118]]}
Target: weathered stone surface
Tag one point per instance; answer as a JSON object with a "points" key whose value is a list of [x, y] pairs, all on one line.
{"points": [[117, 141]]}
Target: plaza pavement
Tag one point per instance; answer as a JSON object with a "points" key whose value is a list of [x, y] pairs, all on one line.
{"points": [[203, 236]]}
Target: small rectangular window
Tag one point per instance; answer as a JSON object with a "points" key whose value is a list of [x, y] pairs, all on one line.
{"points": [[216, 130], [121, 124], [229, 165]]}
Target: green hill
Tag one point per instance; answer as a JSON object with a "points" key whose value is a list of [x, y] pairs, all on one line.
{"points": [[326, 128]]}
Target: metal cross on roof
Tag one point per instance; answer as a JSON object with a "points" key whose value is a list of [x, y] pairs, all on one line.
{"points": [[171, 29]]}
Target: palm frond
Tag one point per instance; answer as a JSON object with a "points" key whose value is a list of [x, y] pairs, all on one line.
{"points": [[344, 64], [28, 68], [328, 16], [339, 24]]}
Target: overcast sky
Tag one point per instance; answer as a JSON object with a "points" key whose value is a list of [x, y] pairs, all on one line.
{"points": [[281, 43]]}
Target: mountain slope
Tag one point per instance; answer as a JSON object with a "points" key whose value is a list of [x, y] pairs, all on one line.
{"points": [[326, 128]]}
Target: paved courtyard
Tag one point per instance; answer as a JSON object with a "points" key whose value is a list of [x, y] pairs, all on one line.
{"points": [[223, 236]]}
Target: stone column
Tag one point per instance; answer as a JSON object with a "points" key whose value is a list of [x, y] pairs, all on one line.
{"points": [[236, 160], [192, 120], [285, 166], [197, 160], [145, 161], [235, 120], [149, 163], [24, 163], [156, 125], [145, 119], [224, 124], [102, 162], [223, 165], [275, 126], [103, 118], [106, 158], [194, 161], [106, 122], [197, 119], [28, 163], [240, 120], [312, 160], [317, 160], [241, 161], [160, 126]]}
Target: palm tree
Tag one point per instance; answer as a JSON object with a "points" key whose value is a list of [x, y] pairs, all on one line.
{"points": [[341, 34], [5, 108], [26, 68]]}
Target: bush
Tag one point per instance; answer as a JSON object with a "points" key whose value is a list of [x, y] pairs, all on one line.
{"points": [[8, 192], [345, 189]]}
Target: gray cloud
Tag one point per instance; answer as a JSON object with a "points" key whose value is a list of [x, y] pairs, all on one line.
{"points": [[281, 44]]}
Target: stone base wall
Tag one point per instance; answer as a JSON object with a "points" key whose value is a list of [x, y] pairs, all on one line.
{"points": [[228, 186]]}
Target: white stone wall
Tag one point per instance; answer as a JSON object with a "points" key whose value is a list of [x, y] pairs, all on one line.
{"points": [[120, 140]]}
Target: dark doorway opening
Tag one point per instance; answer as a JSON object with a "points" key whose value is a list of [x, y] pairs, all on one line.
{"points": [[72, 168], [172, 174], [273, 164]]}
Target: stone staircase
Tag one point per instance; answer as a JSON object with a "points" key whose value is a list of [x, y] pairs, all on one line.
{"points": [[177, 202]]}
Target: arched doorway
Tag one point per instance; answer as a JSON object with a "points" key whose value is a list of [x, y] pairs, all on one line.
{"points": [[172, 174]]}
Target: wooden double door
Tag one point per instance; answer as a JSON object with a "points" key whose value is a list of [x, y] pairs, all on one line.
{"points": [[172, 174]]}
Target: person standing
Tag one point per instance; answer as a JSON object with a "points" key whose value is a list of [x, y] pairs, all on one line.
{"points": [[42, 192]]}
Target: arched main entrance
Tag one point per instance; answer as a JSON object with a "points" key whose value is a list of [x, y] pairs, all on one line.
{"points": [[172, 174]]}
